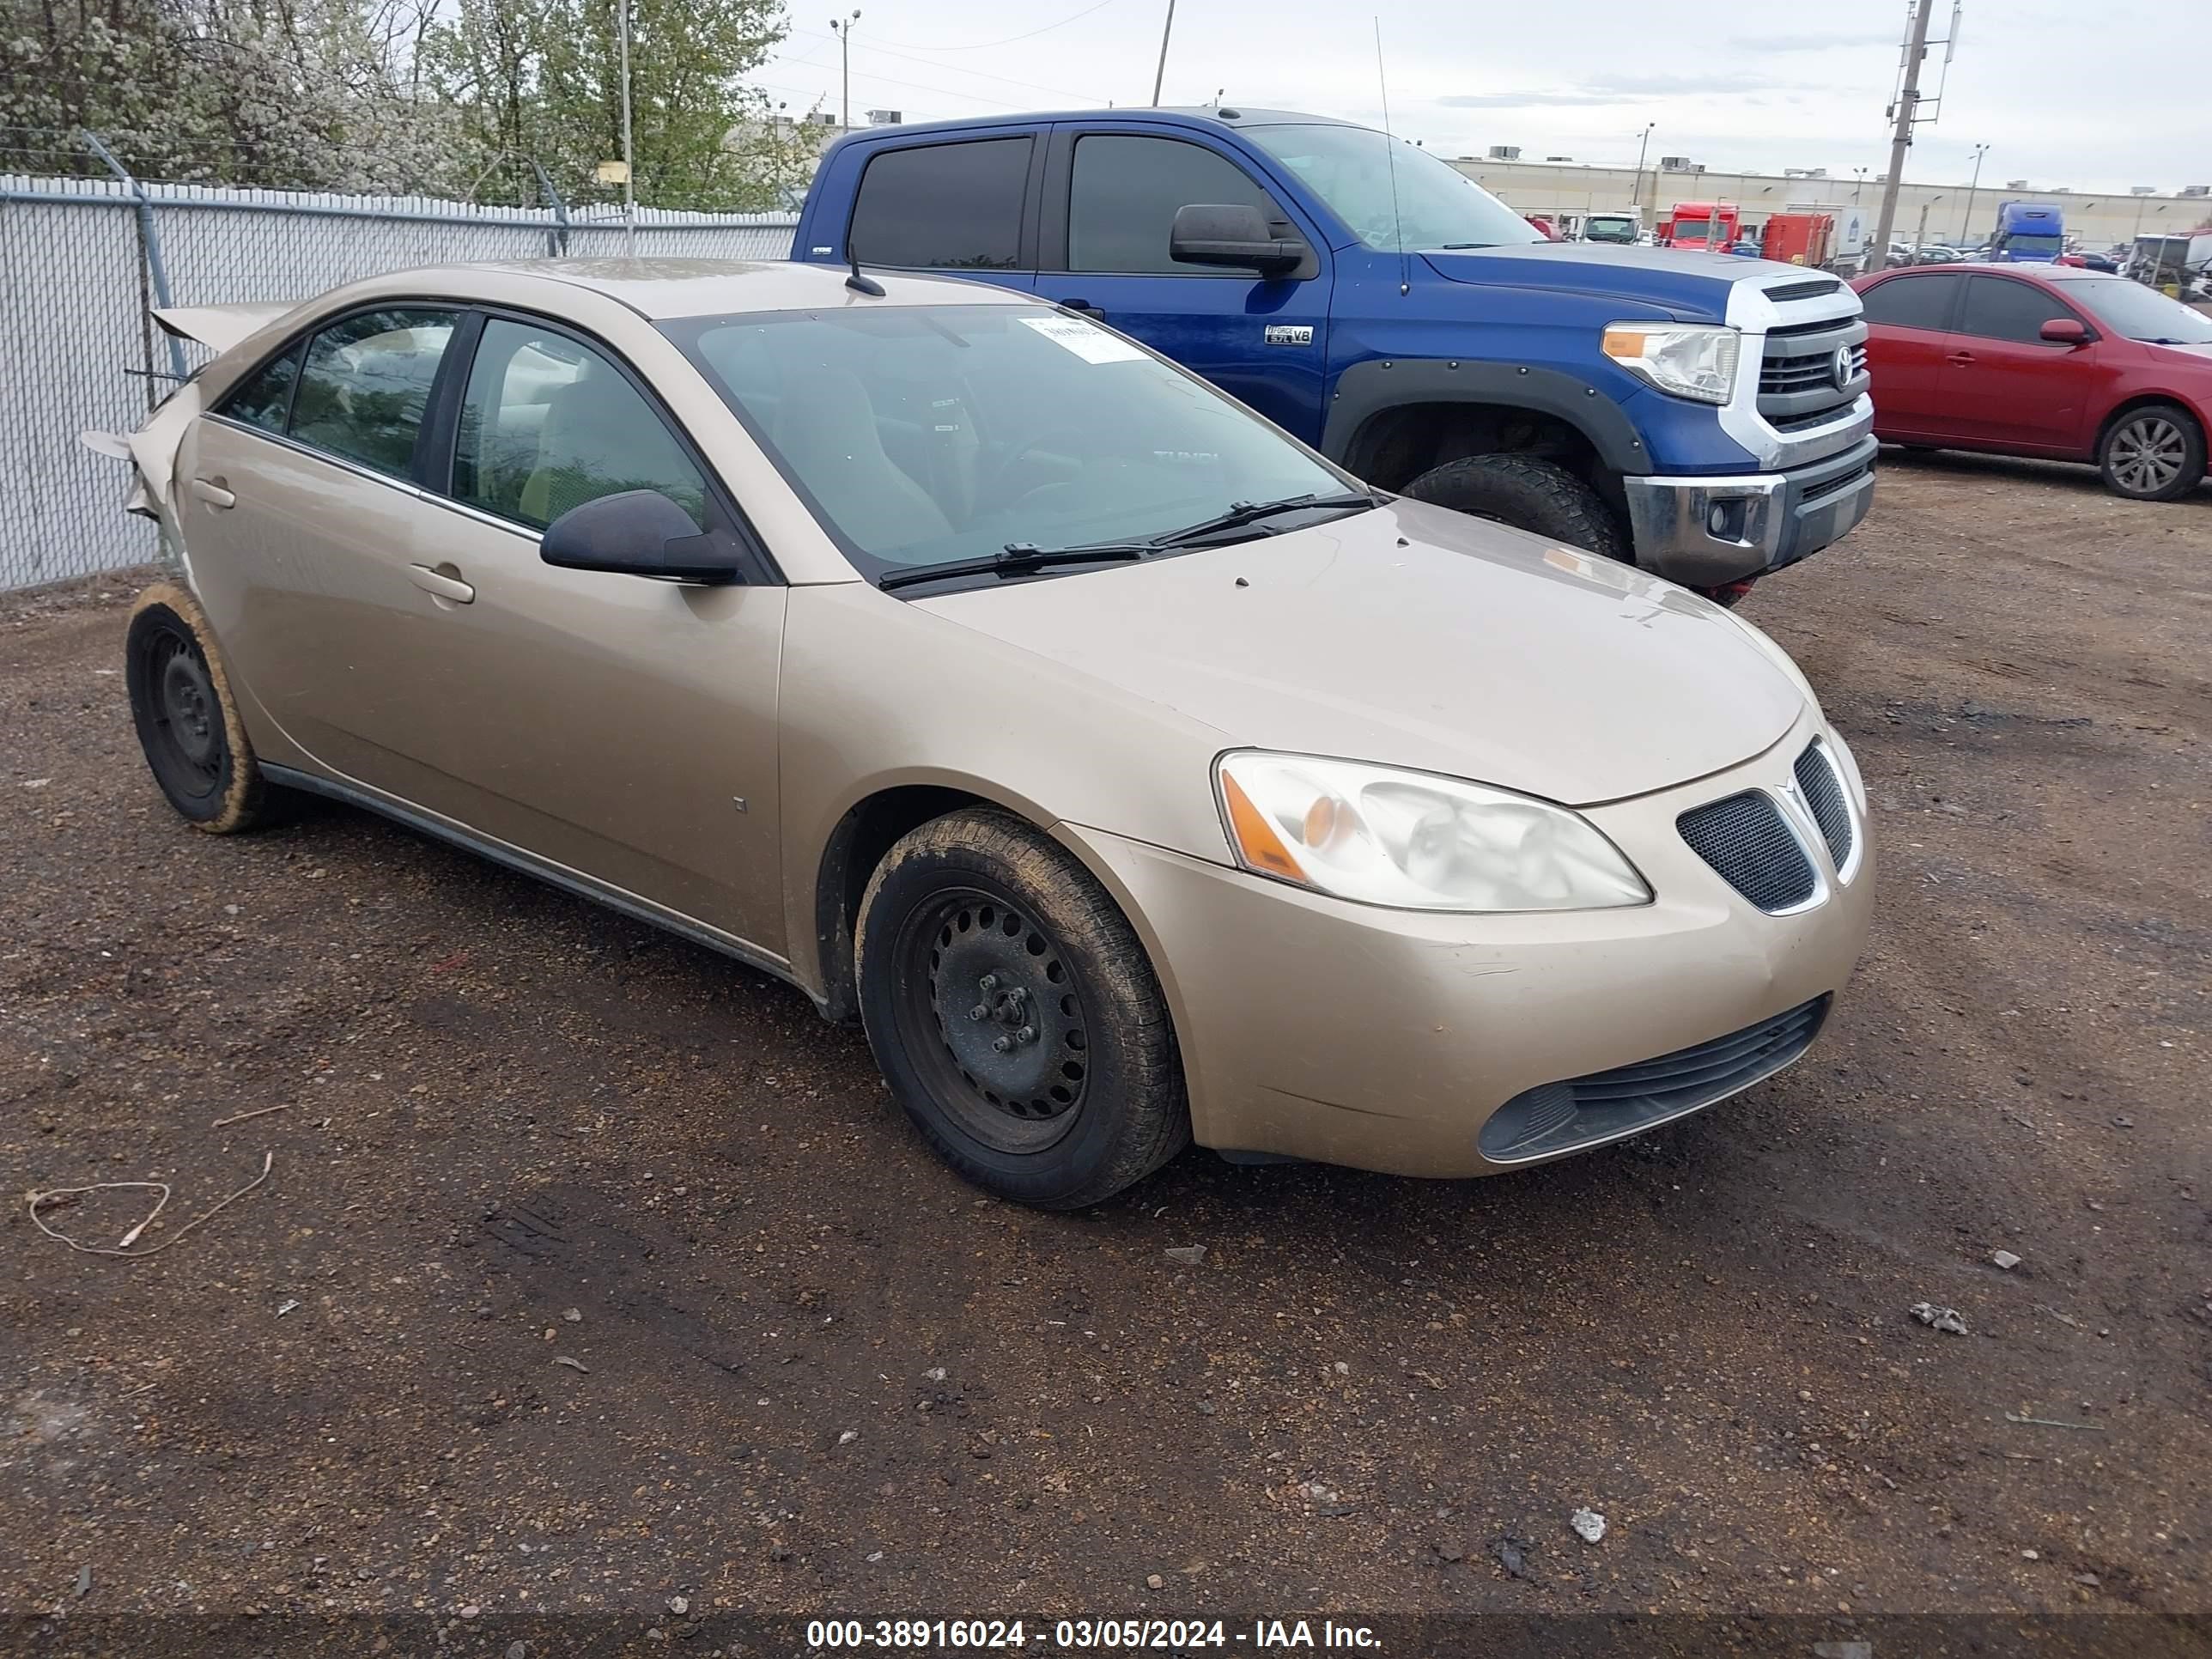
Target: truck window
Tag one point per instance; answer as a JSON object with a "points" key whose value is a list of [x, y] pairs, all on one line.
{"points": [[1123, 200], [1912, 302], [952, 205], [1998, 309]]}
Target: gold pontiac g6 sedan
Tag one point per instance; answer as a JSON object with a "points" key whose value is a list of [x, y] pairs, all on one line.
{"points": [[1133, 775]]}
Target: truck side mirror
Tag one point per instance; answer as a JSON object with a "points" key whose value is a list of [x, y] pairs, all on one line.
{"points": [[2065, 330], [1234, 235]]}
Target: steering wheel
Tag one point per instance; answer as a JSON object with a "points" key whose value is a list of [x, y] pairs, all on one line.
{"points": [[1084, 443]]}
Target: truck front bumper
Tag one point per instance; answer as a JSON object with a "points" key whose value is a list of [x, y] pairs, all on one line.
{"points": [[1708, 531]]}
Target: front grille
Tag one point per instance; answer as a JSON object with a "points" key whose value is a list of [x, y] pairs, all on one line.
{"points": [[1822, 785], [1749, 846], [1797, 383], [1558, 1117]]}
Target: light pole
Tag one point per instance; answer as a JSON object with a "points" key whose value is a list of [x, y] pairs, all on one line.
{"points": [[1858, 184], [842, 28], [1966, 219], [1160, 73], [1642, 144], [629, 153]]}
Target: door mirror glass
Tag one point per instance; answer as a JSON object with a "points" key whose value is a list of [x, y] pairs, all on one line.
{"points": [[1233, 233], [639, 533], [2065, 331]]}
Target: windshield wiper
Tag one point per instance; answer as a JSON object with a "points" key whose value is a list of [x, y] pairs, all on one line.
{"points": [[1454, 247], [1015, 559], [1241, 514]]}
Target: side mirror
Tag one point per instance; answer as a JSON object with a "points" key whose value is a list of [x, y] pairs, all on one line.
{"points": [[639, 533], [1235, 234], [2065, 330]]}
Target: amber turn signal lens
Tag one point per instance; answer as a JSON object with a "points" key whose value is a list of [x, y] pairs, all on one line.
{"points": [[1256, 840]]}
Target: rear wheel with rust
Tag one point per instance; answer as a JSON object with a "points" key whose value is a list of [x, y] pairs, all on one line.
{"points": [[1015, 1014]]}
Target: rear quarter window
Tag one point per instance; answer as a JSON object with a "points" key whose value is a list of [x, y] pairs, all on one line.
{"points": [[956, 207]]}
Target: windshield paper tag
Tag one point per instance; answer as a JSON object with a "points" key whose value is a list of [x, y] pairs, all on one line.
{"points": [[1093, 345]]}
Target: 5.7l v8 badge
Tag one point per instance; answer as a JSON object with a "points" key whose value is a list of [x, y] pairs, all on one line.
{"points": [[1290, 334]]}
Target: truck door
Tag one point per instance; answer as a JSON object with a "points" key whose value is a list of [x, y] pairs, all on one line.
{"points": [[1110, 203]]}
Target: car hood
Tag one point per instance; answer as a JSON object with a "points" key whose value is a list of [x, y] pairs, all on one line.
{"points": [[1418, 637], [2197, 353]]}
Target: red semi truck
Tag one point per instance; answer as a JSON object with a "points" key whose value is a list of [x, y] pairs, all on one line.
{"points": [[1713, 227]]}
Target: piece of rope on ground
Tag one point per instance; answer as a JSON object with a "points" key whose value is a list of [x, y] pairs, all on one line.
{"points": [[123, 1246]]}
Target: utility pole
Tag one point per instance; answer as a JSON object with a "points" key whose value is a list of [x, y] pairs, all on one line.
{"points": [[630, 152], [1642, 144], [1966, 219], [842, 28], [1908, 103], [1160, 73]]}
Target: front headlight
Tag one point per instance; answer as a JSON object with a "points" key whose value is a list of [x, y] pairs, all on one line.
{"points": [[1414, 841], [1688, 360]]}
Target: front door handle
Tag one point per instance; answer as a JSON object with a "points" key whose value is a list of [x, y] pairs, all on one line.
{"points": [[439, 585], [1959, 359], [214, 491]]}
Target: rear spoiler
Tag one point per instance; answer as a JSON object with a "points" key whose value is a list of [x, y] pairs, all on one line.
{"points": [[220, 327]]}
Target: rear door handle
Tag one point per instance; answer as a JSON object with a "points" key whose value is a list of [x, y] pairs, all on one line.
{"points": [[1959, 359], [1080, 305], [437, 583], [213, 492]]}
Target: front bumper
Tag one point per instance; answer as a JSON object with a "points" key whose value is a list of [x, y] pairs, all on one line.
{"points": [[1707, 532], [1386, 1040]]}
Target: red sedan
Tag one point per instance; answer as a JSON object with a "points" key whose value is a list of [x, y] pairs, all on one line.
{"points": [[2050, 361]]}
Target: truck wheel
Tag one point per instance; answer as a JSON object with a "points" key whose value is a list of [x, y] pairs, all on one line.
{"points": [[1527, 493], [188, 724], [1015, 1015], [2155, 453]]}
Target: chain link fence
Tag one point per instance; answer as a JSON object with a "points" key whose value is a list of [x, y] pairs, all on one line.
{"points": [[84, 260]]}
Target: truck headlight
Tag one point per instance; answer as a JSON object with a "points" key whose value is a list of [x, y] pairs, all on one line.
{"points": [[1414, 841], [1684, 360]]}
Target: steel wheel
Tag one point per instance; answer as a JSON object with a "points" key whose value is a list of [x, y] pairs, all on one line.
{"points": [[186, 743], [993, 1016], [2148, 454]]}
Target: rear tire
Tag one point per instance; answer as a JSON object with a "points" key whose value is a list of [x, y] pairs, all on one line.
{"points": [[187, 720], [2155, 453], [1527, 493], [1013, 1011]]}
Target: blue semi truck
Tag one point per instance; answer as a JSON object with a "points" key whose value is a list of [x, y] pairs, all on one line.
{"points": [[1702, 416], [2029, 233]]}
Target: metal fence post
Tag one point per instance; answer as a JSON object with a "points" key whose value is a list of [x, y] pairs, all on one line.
{"points": [[557, 241], [149, 239]]}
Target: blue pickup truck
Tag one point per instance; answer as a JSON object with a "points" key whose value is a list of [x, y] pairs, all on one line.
{"points": [[1702, 416]]}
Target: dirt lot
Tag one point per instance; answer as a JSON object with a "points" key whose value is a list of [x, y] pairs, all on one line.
{"points": [[813, 1371]]}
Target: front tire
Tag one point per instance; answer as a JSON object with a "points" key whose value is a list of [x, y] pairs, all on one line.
{"points": [[1527, 493], [187, 720], [1015, 1015], [2155, 453]]}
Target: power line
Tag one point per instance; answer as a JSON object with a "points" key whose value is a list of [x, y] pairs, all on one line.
{"points": [[984, 74], [986, 45]]}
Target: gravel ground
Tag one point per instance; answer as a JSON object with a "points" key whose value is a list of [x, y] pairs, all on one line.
{"points": [[594, 1270]]}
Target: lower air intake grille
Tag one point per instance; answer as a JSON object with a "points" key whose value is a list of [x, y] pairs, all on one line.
{"points": [[1823, 789], [1744, 838], [1558, 1117]]}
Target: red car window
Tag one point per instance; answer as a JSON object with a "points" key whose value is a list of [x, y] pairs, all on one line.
{"points": [[1913, 302]]}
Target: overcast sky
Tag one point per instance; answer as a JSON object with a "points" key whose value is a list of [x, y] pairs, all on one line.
{"points": [[2064, 94]]}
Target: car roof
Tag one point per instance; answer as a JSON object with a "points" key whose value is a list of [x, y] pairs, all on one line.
{"points": [[660, 288]]}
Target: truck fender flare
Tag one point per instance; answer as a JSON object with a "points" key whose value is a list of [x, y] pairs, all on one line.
{"points": [[1366, 390]]}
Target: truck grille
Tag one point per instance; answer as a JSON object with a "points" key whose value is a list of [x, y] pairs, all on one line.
{"points": [[1822, 785], [1557, 1117], [1797, 379], [1751, 847]]}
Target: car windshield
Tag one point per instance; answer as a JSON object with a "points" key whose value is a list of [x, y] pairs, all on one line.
{"points": [[925, 434], [1428, 204], [2139, 312]]}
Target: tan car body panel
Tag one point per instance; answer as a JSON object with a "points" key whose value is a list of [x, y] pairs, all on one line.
{"points": [[688, 752]]}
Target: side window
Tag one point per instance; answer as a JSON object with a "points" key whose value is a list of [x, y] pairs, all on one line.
{"points": [[1122, 199], [265, 399], [1998, 308], [956, 206], [1912, 302], [366, 383], [548, 424]]}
